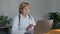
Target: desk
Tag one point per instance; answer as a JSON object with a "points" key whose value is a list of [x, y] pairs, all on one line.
{"points": [[53, 31], [5, 30]]}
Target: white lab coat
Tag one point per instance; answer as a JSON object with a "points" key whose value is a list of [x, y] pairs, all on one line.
{"points": [[23, 24]]}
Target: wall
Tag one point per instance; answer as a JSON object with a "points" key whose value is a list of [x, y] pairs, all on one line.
{"points": [[54, 5], [8, 7], [39, 8]]}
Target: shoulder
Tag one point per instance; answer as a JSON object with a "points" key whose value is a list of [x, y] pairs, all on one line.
{"points": [[31, 17], [15, 17]]}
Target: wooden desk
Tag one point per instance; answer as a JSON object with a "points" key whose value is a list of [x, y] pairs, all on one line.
{"points": [[53, 31]]}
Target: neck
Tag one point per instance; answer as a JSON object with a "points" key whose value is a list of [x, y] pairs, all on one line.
{"points": [[24, 15]]}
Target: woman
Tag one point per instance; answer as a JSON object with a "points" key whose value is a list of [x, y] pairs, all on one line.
{"points": [[23, 22]]}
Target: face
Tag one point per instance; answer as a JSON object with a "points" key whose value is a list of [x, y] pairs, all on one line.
{"points": [[26, 10]]}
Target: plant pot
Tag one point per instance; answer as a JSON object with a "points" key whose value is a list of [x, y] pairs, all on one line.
{"points": [[51, 21]]}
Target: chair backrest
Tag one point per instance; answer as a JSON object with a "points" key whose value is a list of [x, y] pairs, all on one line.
{"points": [[42, 26]]}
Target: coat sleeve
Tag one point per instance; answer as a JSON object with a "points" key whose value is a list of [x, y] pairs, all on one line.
{"points": [[15, 24], [32, 21]]}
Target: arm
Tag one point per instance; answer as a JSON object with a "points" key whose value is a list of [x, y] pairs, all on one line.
{"points": [[32, 24], [14, 24]]}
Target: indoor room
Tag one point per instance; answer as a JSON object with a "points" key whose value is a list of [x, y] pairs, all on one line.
{"points": [[41, 16]]}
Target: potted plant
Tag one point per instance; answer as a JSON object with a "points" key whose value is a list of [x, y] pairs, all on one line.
{"points": [[56, 17], [5, 20]]}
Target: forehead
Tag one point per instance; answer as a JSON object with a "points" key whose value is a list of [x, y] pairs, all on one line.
{"points": [[27, 6]]}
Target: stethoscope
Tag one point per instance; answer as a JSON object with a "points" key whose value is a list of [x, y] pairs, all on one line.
{"points": [[19, 21]]}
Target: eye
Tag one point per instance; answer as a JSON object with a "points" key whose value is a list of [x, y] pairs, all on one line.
{"points": [[26, 9]]}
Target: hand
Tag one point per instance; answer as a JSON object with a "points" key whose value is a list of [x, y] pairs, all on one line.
{"points": [[29, 27]]}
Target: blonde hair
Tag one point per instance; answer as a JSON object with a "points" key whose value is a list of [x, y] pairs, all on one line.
{"points": [[22, 5]]}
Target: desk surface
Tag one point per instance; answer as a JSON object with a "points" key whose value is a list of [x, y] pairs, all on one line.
{"points": [[5, 27], [53, 31]]}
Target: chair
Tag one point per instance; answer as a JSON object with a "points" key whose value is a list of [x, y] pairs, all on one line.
{"points": [[42, 26]]}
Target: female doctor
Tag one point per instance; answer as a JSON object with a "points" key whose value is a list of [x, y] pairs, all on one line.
{"points": [[23, 23]]}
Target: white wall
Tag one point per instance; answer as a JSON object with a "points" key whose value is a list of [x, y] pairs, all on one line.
{"points": [[39, 8], [54, 5], [8, 7]]}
